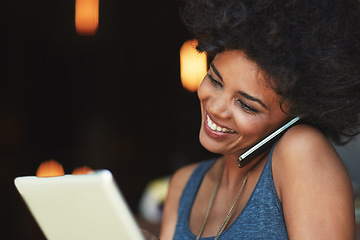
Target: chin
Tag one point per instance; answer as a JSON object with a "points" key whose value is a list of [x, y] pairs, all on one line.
{"points": [[209, 145]]}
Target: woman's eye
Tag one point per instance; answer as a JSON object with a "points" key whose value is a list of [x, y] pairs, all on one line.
{"points": [[247, 107], [214, 81]]}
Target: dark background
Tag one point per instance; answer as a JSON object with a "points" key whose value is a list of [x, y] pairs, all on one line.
{"points": [[113, 100]]}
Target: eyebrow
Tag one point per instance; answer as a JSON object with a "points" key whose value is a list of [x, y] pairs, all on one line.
{"points": [[251, 98], [216, 71], [247, 96]]}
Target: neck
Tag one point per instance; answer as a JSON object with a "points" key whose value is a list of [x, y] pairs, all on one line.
{"points": [[233, 174]]}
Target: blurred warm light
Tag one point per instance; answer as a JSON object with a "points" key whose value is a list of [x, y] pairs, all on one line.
{"points": [[50, 168], [82, 170], [86, 17], [193, 65]]}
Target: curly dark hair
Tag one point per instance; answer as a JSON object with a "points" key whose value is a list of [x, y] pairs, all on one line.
{"points": [[309, 50]]}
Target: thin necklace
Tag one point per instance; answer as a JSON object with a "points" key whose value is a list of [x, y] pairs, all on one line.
{"points": [[231, 210], [212, 197]]}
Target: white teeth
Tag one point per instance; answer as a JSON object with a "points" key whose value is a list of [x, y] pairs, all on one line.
{"points": [[214, 127]]}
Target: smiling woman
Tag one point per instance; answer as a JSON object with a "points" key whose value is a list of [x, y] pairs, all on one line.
{"points": [[272, 62], [235, 97]]}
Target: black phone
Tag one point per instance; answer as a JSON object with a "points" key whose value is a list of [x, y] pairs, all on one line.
{"points": [[264, 144]]}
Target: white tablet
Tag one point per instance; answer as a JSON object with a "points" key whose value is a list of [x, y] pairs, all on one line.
{"points": [[79, 207]]}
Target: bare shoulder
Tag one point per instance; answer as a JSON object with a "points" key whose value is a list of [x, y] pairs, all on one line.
{"points": [[305, 148], [180, 177], [176, 187], [313, 186], [306, 143]]}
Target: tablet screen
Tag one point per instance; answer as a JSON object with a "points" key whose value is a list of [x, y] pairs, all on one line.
{"points": [[79, 207]]}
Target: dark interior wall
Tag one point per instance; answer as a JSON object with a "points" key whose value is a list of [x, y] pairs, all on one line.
{"points": [[111, 101]]}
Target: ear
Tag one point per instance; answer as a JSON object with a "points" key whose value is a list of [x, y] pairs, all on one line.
{"points": [[284, 106]]}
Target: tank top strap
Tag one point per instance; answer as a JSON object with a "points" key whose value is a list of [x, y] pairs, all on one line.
{"points": [[188, 197], [193, 184]]}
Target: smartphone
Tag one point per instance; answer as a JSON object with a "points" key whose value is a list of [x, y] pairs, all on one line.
{"points": [[265, 144]]}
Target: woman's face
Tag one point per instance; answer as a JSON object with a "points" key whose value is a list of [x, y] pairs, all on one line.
{"points": [[238, 106]]}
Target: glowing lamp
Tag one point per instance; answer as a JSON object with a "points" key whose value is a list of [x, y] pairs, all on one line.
{"points": [[50, 168], [86, 17], [193, 65], [82, 170]]}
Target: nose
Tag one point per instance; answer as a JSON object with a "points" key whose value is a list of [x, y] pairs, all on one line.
{"points": [[219, 106]]}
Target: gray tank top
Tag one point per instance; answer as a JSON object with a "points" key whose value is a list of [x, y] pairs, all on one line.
{"points": [[261, 218]]}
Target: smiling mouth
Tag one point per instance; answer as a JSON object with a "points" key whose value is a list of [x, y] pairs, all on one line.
{"points": [[217, 128]]}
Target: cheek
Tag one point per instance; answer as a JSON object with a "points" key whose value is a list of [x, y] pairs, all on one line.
{"points": [[203, 91], [247, 124]]}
